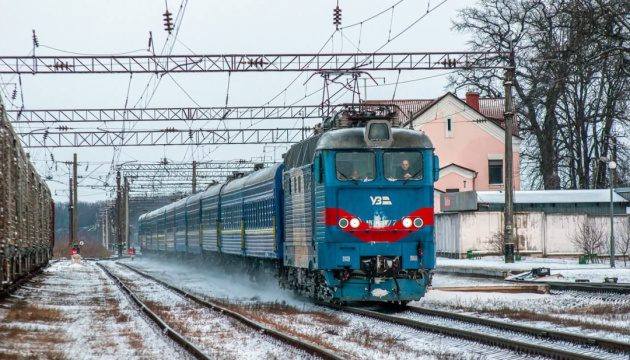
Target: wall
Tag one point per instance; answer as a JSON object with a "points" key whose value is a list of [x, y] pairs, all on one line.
{"points": [[471, 144], [537, 233]]}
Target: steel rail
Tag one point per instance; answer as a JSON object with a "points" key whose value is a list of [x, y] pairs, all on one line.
{"points": [[587, 287], [288, 339], [475, 336], [169, 331], [528, 330], [8, 289]]}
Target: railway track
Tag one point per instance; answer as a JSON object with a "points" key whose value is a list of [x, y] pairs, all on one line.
{"points": [[10, 288], [603, 343], [167, 330], [290, 340], [526, 340], [584, 287], [489, 334]]}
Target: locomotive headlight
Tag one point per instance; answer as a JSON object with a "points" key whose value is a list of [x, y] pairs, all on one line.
{"points": [[343, 223], [354, 223], [417, 222], [407, 222]]}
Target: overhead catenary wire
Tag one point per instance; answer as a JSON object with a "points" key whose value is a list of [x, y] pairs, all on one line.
{"points": [[407, 28], [373, 16]]}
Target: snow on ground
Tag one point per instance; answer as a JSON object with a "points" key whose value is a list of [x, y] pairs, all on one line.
{"points": [[568, 268], [489, 330], [216, 282], [217, 335], [355, 337], [75, 311], [564, 311]]}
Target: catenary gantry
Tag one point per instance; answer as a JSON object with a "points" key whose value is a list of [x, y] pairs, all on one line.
{"points": [[251, 62], [168, 114], [167, 136]]}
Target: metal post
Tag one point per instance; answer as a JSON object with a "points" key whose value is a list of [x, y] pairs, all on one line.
{"points": [[126, 212], [509, 188], [75, 202], [70, 215], [106, 230], [118, 215], [194, 177], [611, 167]]}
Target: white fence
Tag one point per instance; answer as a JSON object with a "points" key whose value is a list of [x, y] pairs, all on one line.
{"points": [[536, 233]]}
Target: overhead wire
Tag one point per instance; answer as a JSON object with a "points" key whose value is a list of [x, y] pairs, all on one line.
{"points": [[178, 21], [373, 16], [411, 25]]}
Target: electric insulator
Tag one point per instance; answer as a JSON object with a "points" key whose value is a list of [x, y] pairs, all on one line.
{"points": [[190, 134], [14, 94], [337, 17], [168, 21], [35, 40], [150, 40]]}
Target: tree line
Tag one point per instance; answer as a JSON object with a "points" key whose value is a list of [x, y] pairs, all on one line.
{"points": [[571, 84]]}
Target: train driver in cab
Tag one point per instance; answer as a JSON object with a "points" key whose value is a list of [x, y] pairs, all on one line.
{"points": [[404, 172]]}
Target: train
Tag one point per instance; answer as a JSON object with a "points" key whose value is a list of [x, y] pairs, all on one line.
{"points": [[27, 210], [347, 216]]}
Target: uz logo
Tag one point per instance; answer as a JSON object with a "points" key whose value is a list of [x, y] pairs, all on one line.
{"points": [[380, 200]]}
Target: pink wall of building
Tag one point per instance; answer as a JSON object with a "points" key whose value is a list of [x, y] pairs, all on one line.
{"points": [[469, 144]]}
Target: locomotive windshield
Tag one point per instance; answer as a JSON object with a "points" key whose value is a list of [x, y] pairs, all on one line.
{"points": [[355, 166], [403, 165]]}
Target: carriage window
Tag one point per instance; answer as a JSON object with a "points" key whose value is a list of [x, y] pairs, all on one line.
{"points": [[355, 166], [403, 165]]}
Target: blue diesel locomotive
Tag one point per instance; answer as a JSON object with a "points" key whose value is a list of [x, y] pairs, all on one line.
{"points": [[348, 215]]}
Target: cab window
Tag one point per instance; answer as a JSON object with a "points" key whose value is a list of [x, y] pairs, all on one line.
{"points": [[355, 166], [403, 165]]}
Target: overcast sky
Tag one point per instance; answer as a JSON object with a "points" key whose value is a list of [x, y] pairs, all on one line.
{"points": [[206, 27]]}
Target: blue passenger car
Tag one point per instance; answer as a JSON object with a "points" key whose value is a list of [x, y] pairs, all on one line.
{"points": [[210, 221], [249, 207], [193, 224]]}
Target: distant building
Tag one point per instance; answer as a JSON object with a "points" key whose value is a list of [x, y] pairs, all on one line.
{"points": [[589, 202], [545, 222], [468, 136]]}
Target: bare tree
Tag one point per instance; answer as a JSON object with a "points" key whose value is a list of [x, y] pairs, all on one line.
{"points": [[571, 83], [623, 243], [496, 242], [589, 239]]}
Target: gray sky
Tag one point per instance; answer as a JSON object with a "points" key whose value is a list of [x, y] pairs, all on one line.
{"points": [[208, 27]]}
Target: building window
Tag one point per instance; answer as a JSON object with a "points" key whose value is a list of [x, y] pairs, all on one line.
{"points": [[495, 172], [449, 128], [452, 190]]}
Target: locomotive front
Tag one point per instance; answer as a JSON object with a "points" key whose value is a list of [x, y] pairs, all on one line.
{"points": [[374, 212]]}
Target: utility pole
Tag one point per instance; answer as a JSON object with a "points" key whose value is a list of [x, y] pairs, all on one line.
{"points": [[75, 203], [126, 211], [611, 167], [106, 229], [508, 221], [194, 177], [70, 214], [118, 215]]}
